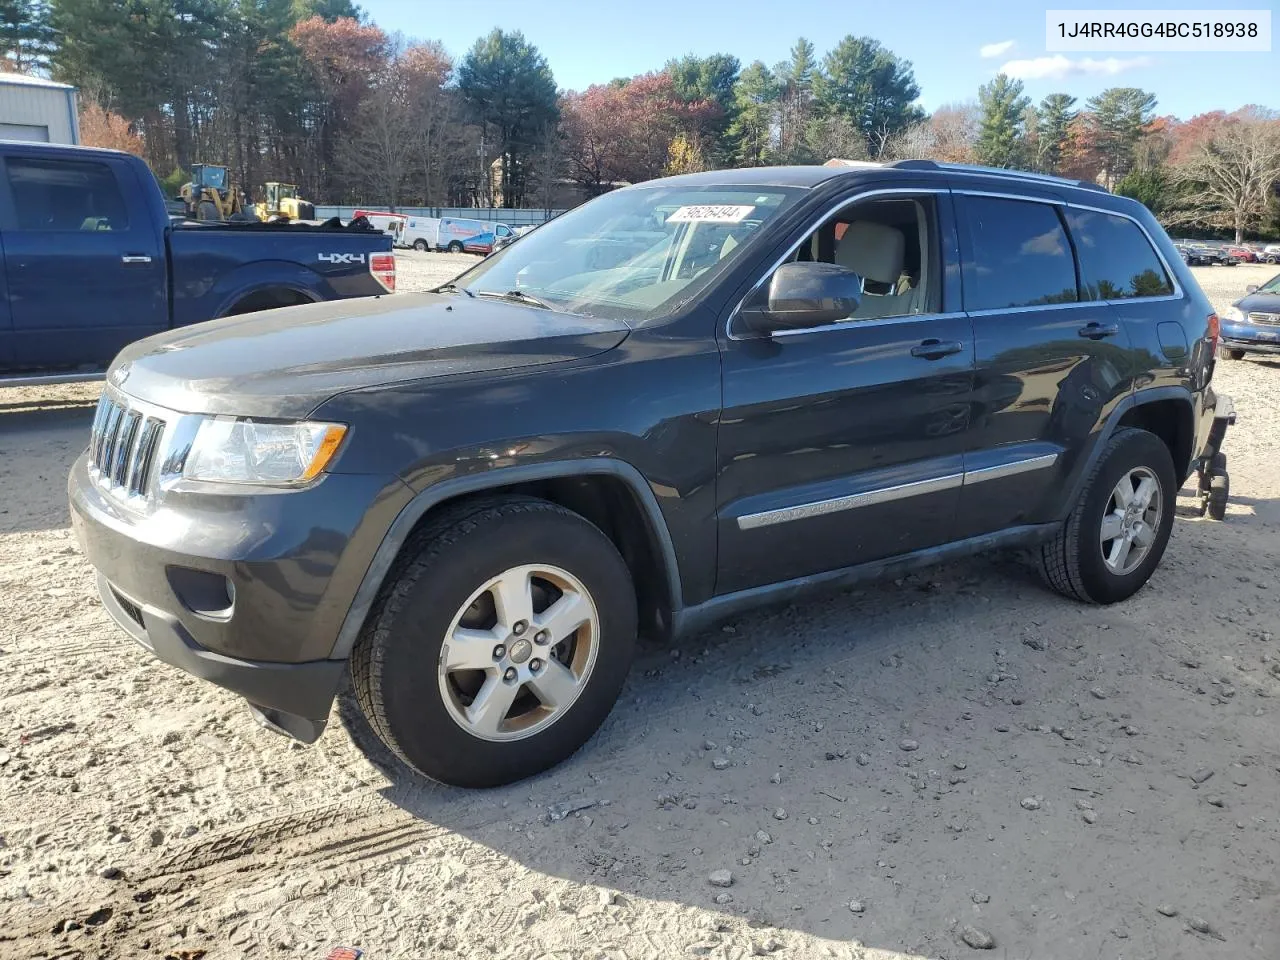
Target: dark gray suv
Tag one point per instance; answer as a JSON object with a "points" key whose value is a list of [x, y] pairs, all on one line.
{"points": [[678, 401]]}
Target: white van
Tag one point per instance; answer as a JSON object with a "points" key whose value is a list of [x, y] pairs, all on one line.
{"points": [[392, 224], [456, 234], [421, 233]]}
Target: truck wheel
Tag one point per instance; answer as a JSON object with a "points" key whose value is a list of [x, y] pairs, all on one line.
{"points": [[455, 246], [498, 644], [1235, 354], [208, 211], [1117, 532], [1219, 493], [421, 246]]}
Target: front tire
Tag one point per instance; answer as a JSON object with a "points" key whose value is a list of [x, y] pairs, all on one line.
{"points": [[1118, 530], [455, 246], [499, 644]]}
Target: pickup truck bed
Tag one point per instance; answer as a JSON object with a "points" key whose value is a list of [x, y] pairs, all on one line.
{"points": [[92, 261]]}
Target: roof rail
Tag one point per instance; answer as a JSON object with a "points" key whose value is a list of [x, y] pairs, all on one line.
{"points": [[994, 172]]}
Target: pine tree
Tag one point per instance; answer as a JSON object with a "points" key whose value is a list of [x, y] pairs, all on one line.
{"points": [[1000, 139], [26, 35], [509, 87], [867, 85], [1119, 115], [795, 79], [1054, 127], [756, 97]]}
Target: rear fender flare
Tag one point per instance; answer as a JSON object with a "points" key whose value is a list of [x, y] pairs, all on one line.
{"points": [[432, 496], [266, 275], [1126, 404]]}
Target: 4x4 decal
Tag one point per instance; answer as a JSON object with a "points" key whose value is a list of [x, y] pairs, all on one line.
{"points": [[340, 257]]}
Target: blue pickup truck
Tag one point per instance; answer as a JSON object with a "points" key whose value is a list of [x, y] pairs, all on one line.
{"points": [[92, 261]]}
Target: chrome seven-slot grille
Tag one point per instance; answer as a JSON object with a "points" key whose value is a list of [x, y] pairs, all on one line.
{"points": [[122, 447], [1265, 317]]}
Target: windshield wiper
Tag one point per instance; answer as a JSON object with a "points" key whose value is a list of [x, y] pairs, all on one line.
{"points": [[518, 296], [445, 287]]}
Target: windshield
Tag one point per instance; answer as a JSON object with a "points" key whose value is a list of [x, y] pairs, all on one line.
{"points": [[1271, 286], [632, 255]]}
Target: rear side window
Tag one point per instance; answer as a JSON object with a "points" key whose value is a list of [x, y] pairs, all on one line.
{"points": [[1117, 261], [79, 195], [1018, 256]]}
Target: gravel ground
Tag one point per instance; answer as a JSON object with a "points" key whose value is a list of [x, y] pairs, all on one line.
{"points": [[931, 767]]}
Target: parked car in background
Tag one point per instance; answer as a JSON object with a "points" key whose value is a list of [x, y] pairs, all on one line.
{"points": [[775, 380], [1242, 254], [92, 261], [1252, 323], [421, 233], [455, 232], [392, 224], [1270, 253], [1195, 255]]}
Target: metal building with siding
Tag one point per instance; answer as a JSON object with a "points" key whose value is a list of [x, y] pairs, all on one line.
{"points": [[32, 108]]}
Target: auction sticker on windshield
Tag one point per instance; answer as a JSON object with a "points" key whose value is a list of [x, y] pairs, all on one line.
{"points": [[710, 213]]}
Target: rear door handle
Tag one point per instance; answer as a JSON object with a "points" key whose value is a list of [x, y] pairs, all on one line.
{"points": [[933, 349], [1097, 331], [135, 258]]}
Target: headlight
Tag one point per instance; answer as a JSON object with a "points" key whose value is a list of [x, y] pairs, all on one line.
{"points": [[247, 451], [1233, 315]]}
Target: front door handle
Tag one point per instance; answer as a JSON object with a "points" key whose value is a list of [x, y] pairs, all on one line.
{"points": [[933, 349], [1098, 331], [135, 258]]}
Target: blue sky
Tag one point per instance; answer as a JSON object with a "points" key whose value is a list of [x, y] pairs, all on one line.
{"points": [[592, 41]]}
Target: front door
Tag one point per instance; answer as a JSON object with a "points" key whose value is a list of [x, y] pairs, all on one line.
{"points": [[86, 273], [844, 444]]}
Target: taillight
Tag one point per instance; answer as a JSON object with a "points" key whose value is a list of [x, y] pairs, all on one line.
{"points": [[1214, 329], [383, 268]]}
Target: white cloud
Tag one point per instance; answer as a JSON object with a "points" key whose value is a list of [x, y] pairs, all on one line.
{"points": [[1058, 67], [990, 50]]}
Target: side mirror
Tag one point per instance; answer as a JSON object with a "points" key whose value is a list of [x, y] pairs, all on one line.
{"points": [[1251, 288], [804, 295]]}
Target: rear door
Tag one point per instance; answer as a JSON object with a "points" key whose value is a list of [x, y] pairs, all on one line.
{"points": [[1050, 360], [86, 273]]}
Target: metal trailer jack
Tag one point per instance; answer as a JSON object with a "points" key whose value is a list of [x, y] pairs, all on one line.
{"points": [[1214, 487]]}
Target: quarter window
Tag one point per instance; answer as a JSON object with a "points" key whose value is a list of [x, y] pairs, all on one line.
{"points": [[66, 195], [1116, 259], [1019, 255]]}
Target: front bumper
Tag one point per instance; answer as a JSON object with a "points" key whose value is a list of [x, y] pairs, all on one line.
{"points": [[246, 590], [1239, 341], [292, 698]]}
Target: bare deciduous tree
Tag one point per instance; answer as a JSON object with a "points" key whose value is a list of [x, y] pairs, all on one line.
{"points": [[1228, 181]]}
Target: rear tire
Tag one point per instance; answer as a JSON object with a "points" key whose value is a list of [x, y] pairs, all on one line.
{"points": [[437, 646], [1074, 562], [420, 246], [1235, 354]]}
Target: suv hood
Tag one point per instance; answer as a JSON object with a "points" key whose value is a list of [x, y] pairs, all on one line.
{"points": [[286, 362]]}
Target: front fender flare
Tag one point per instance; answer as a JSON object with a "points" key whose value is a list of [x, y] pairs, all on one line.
{"points": [[432, 496]]}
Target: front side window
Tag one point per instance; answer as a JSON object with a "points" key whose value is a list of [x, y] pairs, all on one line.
{"points": [[1018, 256], [79, 195], [634, 254], [1116, 259], [891, 244]]}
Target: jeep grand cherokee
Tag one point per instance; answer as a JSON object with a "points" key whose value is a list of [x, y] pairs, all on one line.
{"points": [[677, 401]]}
